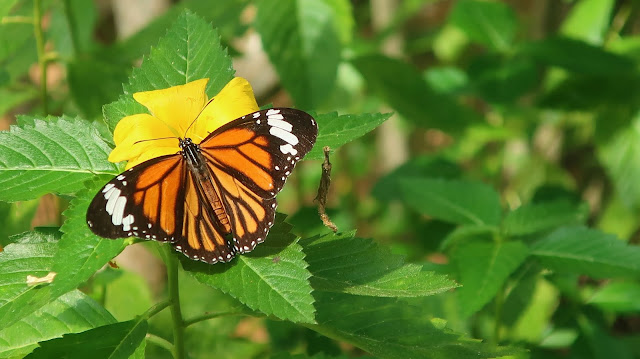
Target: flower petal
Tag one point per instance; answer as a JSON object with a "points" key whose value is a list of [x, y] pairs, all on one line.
{"points": [[235, 100], [141, 127], [176, 106]]}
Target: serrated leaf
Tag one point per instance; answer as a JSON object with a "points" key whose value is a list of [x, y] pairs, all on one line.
{"points": [[50, 156], [191, 50], [273, 279], [391, 328], [483, 269], [587, 251], [537, 217], [32, 255], [78, 256], [457, 201], [113, 341], [490, 23], [300, 38], [335, 130], [404, 88], [360, 267], [71, 313], [80, 252]]}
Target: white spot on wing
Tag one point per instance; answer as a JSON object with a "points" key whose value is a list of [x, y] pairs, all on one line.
{"points": [[288, 137], [126, 223], [271, 121], [272, 111], [107, 187], [288, 149], [118, 211], [111, 196]]}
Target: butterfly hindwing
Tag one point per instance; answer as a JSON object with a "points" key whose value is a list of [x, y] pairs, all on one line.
{"points": [[250, 159]]}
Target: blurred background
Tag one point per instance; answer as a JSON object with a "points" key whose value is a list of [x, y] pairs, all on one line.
{"points": [[534, 97]]}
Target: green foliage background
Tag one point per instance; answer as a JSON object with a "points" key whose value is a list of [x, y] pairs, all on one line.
{"points": [[494, 214]]}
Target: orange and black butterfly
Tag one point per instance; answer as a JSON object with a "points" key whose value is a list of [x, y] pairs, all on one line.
{"points": [[209, 200]]}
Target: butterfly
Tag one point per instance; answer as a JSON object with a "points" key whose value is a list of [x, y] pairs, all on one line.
{"points": [[210, 200]]}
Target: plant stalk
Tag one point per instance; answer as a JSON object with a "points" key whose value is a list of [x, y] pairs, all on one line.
{"points": [[174, 296], [42, 61]]}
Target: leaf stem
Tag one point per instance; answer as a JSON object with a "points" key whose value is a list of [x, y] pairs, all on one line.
{"points": [[174, 296], [161, 342], [156, 309], [207, 316], [42, 61]]}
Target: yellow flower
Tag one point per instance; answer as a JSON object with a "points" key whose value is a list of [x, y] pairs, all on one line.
{"points": [[171, 112]]}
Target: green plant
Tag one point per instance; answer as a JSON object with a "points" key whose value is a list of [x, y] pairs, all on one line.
{"points": [[511, 220]]}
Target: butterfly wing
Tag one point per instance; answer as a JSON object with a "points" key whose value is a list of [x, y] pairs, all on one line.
{"points": [[250, 159], [161, 200]]}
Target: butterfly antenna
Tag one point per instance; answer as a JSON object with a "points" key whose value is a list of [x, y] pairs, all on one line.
{"points": [[154, 139], [197, 117]]}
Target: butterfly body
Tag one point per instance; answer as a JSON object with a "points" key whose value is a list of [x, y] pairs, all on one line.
{"points": [[210, 200]]}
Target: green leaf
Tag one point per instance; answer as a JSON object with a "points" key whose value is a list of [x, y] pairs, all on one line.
{"points": [[343, 20], [579, 57], [335, 130], [588, 20], [388, 187], [12, 98], [391, 328], [78, 256], [490, 23], [225, 15], [180, 57], [619, 297], [403, 87], [191, 50], [300, 38], [71, 313], [31, 253], [93, 83], [503, 80], [621, 158], [50, 156], [71, 27], [5, 7], [80, 252], [273, 279], [360, 267], [113, 341], [16, 218], [587, 251], [456, 201], [537, 217], [483, 268]]}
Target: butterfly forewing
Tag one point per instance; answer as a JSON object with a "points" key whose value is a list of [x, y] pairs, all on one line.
{"points": [[251, 158], [143, 201], [211, 212]]}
